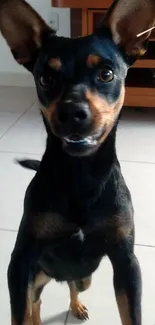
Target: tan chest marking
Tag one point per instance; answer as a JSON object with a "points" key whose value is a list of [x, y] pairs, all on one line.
{"points": [[51, 226], [118, 228]]}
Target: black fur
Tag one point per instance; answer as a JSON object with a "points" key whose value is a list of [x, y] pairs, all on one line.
{"points": [[77, 208], [29, 164]]}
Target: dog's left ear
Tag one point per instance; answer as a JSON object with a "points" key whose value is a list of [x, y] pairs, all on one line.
{"points": [[23, 29], [127, 19]]}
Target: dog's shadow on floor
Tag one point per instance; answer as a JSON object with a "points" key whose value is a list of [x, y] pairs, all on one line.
{"points": [[62, 318]]}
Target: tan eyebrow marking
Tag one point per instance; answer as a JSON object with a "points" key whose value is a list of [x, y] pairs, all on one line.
{"points": [[55, 63], [93, 60]]}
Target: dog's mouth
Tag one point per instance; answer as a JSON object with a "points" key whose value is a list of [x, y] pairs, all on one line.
{"points": [[75, 139], [76, 144]]}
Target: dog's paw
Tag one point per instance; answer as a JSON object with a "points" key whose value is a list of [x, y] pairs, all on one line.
{"points": [[80, 311]]}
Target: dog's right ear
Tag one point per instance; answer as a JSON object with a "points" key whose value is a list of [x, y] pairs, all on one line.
{"points": [[23, 29]]}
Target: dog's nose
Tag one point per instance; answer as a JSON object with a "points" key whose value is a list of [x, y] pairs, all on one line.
{"points": [[74, 114]]}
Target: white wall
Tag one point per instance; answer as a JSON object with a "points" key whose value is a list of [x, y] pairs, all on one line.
{"points": [[9, 69]]}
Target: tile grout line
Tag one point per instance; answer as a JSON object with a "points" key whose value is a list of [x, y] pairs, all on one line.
{"points": [[137, 161], [8, 230], [18, 119], [38, 154], [31, 105], [20, 153], [10, 127], [142, 245], [67, 314]]}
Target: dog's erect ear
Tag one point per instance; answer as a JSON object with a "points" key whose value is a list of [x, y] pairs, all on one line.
{"points": [[128, 18], [23, 29]]}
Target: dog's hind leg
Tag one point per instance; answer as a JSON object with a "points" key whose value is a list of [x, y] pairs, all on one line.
{"points": [[78, 310]]}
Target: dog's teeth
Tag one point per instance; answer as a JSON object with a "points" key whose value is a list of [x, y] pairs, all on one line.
{"points": [[74, 141], [88, 140], [91, 141]]}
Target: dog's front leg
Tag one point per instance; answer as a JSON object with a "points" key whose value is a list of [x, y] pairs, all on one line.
{"points": [[20, 277], [78, 309], [127, 283], [20, 292]]}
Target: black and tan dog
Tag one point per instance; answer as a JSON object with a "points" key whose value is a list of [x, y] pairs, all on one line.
{"points": [[77, 208]]}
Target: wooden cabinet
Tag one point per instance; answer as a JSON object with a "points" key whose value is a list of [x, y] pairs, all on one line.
{"points": [[94, 17], [140, 82], [81, 3]]}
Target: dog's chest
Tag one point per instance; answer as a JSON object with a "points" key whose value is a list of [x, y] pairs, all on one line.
{"points": [[70, 252], [53, 226]]}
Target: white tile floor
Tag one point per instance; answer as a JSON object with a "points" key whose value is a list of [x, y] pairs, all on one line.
{"points": [[22, 135]]}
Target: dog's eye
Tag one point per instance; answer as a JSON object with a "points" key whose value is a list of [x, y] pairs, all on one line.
{"points": [[47, 81], [106, 75]]}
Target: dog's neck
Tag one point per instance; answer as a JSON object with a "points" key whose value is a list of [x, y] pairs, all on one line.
{"points": [[81, 172]]}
